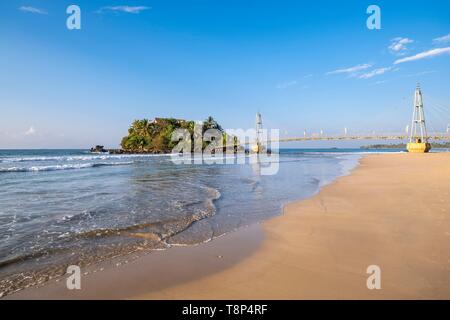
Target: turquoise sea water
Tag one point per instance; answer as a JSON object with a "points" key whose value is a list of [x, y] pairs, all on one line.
{"points": [[63, 207]]}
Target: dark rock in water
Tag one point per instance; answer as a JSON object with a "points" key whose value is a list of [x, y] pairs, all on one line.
{"points": [[98, 149]]}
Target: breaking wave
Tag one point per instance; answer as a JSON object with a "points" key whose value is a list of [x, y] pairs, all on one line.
{"points": [[77, 158], [63, 167]]}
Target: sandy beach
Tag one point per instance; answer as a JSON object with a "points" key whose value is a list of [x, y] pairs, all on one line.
{"points": [[392, 211]]}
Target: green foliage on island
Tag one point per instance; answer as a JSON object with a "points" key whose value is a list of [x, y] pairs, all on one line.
{"points": [[155, 136], [434, 145]]}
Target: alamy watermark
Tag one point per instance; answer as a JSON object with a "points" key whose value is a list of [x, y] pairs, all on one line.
{"points": [[374, 20], [73, 22], [233, 146], [374, 280], [73, 282]]}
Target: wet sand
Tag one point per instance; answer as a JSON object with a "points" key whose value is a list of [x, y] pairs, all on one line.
{"points": [[393, 211]]}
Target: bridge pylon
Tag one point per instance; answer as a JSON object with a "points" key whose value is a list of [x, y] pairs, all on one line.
{"points": [[418, 140], [258, 146]]}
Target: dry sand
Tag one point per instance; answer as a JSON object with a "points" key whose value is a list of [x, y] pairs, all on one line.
{"points": [[393, 211]]}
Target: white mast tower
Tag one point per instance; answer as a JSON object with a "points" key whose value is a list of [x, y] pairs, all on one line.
{"points": [[257, 148], [418, 140]]}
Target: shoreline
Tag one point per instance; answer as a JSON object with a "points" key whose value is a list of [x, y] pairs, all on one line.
{"points": [[153, 270], [319, 248]]}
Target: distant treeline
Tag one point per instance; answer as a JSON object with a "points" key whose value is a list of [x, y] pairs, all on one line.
{"points": [[435, 145]]}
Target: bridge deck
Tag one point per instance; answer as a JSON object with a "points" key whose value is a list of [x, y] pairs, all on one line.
{"points": [[343, 138]]}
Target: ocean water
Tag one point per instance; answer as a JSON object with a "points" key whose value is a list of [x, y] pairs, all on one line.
{"points": [[64, 207]]}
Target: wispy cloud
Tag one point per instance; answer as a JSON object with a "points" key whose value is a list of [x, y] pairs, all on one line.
{"points": [[399, 45], [351, 70], [32, 10], [413, 75], [443, 39], [424, 55], [418, 74], [375, 72], [127, 9], [287, 84]]}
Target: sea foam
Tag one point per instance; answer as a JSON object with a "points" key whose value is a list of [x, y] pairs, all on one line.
{"points": [[63, 167]]}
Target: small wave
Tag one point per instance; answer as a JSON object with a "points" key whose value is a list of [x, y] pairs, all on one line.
{"points": [[63, 167], [89, 157], [25, 159], [165, 228]]}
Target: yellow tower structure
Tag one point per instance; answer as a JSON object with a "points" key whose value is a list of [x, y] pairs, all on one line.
{"points": [[418, 141]]}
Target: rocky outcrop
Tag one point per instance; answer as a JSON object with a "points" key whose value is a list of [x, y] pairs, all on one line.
{"points": [[98, 149]]}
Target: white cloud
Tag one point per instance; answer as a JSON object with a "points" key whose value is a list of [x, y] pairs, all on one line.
{"points": [[399, 45], [127, 9], [32, 10], [414, 75], [375, 72], [424, 55], [30, 131], [443, 39], [350, 70], [285, 85]]}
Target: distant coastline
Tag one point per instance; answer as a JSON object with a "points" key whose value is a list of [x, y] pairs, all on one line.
{"points": [[434, 145]]}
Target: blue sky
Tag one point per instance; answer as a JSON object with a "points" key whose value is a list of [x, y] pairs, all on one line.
{"points": [[303, 64]]}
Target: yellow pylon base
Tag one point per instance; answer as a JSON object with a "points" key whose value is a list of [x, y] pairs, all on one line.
{"points": [[256, 148], [415, 147]]}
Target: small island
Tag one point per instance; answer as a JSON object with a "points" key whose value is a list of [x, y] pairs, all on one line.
{"points": [[155, 136]]}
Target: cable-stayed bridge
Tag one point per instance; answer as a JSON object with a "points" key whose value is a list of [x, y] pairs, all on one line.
{"points": [[416, 132], [436, 137]]}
